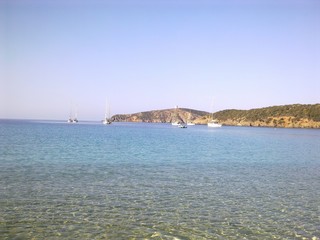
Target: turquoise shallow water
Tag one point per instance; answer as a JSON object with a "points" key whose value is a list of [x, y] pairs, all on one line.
{"points": [[156, 181]]}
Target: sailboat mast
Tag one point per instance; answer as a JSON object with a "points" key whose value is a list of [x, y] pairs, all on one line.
{"points": [[212, 108], [107, 112]]}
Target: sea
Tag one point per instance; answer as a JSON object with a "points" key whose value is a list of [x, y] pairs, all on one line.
{"points": [[157, 181]]}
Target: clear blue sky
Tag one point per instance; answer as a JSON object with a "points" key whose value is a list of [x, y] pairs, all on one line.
{"points": [[147, 55]]}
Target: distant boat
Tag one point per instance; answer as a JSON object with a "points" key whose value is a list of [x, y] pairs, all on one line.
{"points": [[73, 119], [179, 124], [214, 123], [107, 119]]}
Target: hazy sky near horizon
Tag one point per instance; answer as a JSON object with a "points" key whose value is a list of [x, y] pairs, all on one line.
{"points": [[145, 55]]}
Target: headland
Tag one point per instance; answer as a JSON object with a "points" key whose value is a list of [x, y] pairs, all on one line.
{"points": [[285, 116]]}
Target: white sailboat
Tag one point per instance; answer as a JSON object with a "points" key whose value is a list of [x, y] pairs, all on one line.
{"points": [[107, 119], [73, 119], [213, 123]]}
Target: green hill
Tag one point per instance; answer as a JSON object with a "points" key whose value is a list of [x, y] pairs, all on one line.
{"points": [[162, 116], [295, 115]]}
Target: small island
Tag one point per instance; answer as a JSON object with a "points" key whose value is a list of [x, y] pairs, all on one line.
{"points": [[286, 116]]}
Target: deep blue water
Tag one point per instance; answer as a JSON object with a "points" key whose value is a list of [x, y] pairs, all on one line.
{"points": [[156, 181]]}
